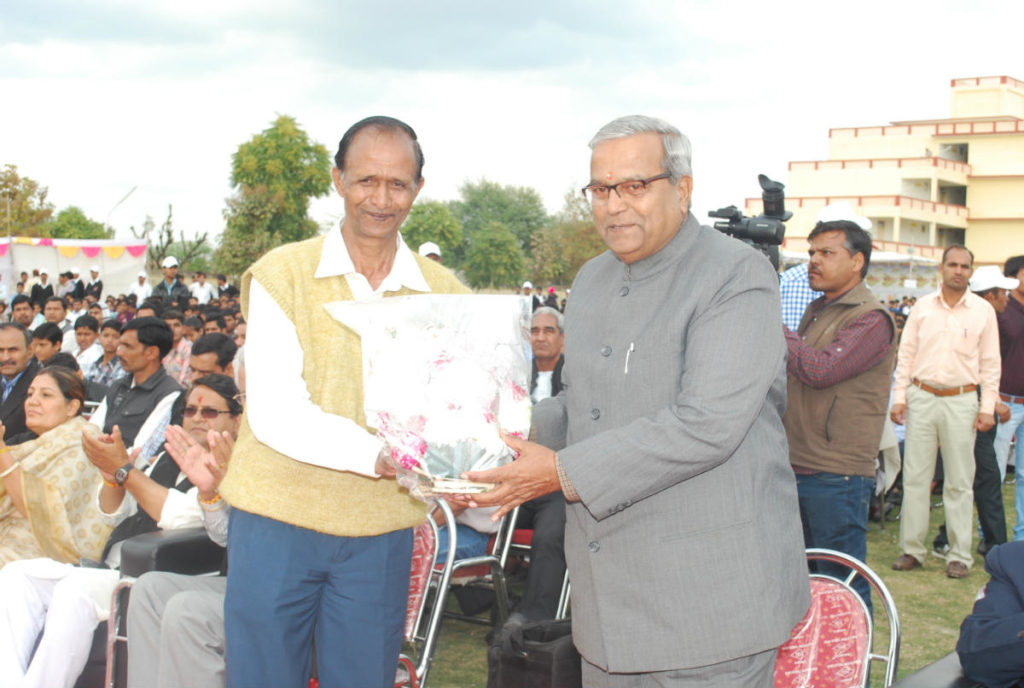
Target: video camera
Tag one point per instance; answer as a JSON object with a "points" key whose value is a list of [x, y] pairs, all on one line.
{"points": [[764, 232]]}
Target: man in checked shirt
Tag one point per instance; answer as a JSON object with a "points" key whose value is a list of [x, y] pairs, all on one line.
{"points": [[840, 367]]}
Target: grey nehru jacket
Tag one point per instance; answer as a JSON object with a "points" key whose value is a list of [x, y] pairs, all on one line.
{"points": [[686, 548]]}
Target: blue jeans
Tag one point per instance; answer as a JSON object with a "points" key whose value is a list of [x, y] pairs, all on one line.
{"points": [[470, 543], [834, 514], [286, 584], [1004, 433]]}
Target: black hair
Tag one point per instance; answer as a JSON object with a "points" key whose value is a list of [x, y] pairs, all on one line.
{"points": [[17, 326], [59, 300], [112, 324], [50, 332], [172, 314], [152, 332], [19, 299], [70, 385], [1013, 266], [225, 388], [64, 360], [379, 122], [88, 321], [193, 322], [957, 246], [857, 239], [217, 343]]}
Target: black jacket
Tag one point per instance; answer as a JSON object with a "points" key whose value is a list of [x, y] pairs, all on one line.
{"points": [[556, 376], [12, 411]]}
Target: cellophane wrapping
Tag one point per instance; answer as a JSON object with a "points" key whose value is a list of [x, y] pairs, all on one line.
{"points": [[443, 375]]}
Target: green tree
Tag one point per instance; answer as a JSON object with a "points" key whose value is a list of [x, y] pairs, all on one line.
{"points": [[164, 243], [433, 221], [561, 248], [24, 209], [494, 258], [72, 223], [518, 208], [276, 172]]}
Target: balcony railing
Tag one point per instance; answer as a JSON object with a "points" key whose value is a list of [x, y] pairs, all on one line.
{"points": [[882, 163], [951, 210]]}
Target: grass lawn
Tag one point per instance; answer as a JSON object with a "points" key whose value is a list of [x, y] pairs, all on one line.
{"points": [[930, 607]]}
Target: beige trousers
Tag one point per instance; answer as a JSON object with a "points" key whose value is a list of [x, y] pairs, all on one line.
{"points": [[933, 422]]}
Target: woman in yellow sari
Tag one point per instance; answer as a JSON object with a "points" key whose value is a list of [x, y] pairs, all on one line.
{"points": [[47, 485]]}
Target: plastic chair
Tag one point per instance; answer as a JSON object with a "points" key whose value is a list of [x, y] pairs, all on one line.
{"points": [[833, 645]]}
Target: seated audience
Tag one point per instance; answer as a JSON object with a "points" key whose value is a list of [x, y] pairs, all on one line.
{"points": [[192, 328], [176, 362], [175, 622], [47, 339], [212, 353], [47, 505], [67, 602], [87, 332], [106, 370], [17, 368]]}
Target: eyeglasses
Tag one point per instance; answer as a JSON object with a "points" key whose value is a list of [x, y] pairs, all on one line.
{"points": [[630, 188], [205, 411]]}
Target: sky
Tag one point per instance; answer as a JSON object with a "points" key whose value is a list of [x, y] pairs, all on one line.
{"points": [[105, 97]]}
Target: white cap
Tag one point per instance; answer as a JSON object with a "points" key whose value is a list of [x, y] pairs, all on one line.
{"points": [[142, 273], [74, 271], [169, 262], [44, 271], [429, 247], [527, 285], [991, 277], [842, 211], [94, 268]]}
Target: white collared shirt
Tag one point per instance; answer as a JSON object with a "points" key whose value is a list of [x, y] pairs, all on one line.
{"points": [[281, 413]]}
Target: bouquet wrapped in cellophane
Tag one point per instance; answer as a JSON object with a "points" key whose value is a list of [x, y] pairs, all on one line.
{"points": [[442, 375]]}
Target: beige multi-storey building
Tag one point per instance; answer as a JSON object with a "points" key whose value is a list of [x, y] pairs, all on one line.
{"points": [[928, 183]]}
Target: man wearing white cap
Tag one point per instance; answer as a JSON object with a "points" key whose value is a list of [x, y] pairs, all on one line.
{"points": [[839, 371], [95, 286], [428, 249], [527, 291], [141, 288], [171, 288], [949, 349]]}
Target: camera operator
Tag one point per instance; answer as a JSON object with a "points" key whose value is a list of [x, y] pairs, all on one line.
{"points": [[840, 367]]}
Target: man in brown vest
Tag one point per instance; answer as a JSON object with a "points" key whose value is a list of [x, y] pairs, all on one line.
{"points": [[840, 368]]}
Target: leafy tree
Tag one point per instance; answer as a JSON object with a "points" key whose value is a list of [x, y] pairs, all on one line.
{"points": [[518, 208], [276, 171], [164, 244], [494, 258], [24, 209], [561, 248], [433, 221], [247, 234], [72, 223]]}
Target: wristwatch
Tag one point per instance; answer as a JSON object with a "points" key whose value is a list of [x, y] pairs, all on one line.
{"points": [[121, 474]]}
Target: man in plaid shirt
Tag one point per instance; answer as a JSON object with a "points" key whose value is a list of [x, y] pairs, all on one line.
{"points": [[840, 367]]}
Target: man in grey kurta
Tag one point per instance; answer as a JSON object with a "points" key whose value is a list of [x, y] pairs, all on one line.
{"points": [[683, 535]]}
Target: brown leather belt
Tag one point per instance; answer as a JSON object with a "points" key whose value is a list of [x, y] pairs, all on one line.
{"points": [[944, 391], [1010, 399]]}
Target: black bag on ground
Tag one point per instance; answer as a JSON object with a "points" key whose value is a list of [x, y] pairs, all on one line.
{"points": [[534, 655]]}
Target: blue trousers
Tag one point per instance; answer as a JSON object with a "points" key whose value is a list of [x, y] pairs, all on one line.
{"points": [[286, 584], [834, 513]]}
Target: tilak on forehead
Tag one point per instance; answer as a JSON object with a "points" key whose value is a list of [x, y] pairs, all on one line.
{"points": [[609, 176], [200, 399]]}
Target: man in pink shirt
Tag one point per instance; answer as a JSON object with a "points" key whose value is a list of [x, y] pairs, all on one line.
{"points": [[949, 350]]}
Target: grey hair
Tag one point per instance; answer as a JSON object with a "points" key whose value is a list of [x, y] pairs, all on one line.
{"points": [[548, 310], [676, 158]]}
